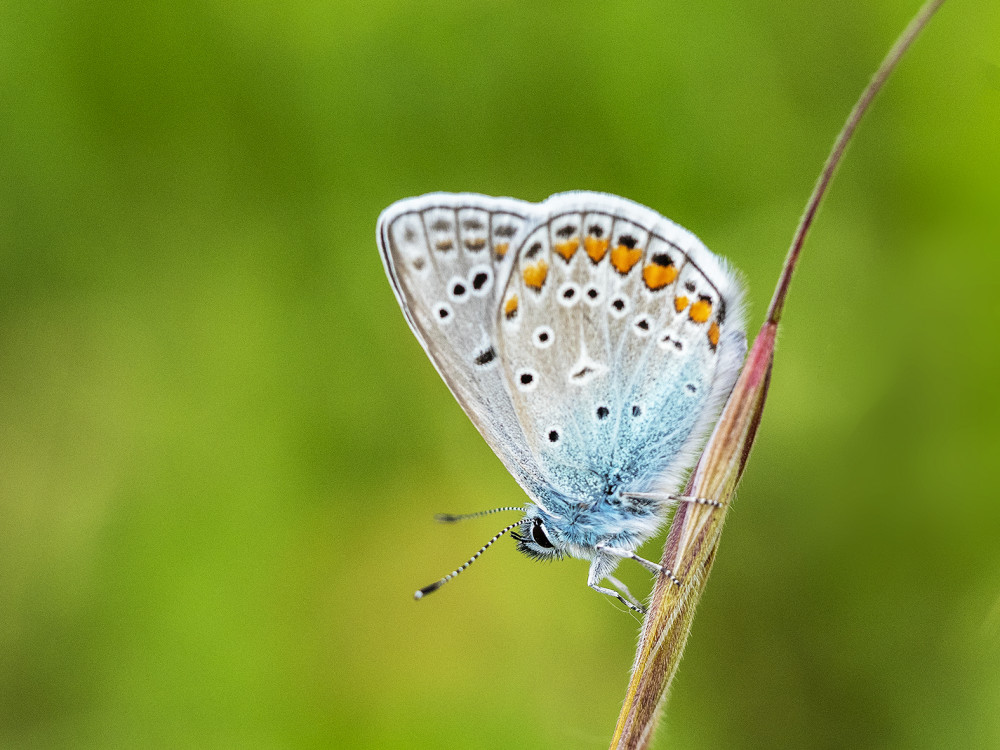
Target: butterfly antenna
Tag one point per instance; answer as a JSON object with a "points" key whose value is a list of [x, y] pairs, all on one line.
{"points": [[421, 593], [452, 518]]}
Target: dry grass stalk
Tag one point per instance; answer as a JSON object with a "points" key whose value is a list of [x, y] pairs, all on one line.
{"points": [[694, 534]]}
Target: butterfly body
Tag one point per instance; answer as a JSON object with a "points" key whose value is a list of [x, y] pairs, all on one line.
{"points": [[591, 341]]}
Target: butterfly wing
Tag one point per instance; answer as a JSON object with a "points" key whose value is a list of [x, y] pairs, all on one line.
{"points": [[621, 336], [448, 257]]}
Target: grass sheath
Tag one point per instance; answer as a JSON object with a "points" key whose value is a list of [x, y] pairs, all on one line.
{"points": [[694, 535]]}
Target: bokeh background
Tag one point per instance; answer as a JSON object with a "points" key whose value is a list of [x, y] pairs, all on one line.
{"points": [[221, 448]]}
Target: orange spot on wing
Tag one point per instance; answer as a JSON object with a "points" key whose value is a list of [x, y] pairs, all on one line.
{"points": [[595, 248], [713, 334], [623, 258], [657, 276], [510, 307], [700, 311], [501, 249], [680, 303], [566, 249], [534, 275]]}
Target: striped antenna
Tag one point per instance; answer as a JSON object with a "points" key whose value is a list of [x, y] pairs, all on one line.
{"points": [[451, 518], [421, 593]]}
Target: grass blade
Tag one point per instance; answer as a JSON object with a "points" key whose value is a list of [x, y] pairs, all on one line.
{"points": [[696, 529]]}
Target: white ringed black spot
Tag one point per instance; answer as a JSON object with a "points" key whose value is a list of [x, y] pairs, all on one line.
{"points": [[569, 294], [602, 412], [481, 280], [592, 296], [485, 356], [553, 436], [636, 410], [458, 289], [543, 337], [619, 306], [443, 313], [526, 380], [641, 326]]}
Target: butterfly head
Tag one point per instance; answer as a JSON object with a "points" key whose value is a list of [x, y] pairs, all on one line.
{"points": [[534, 539], [538, 537]]}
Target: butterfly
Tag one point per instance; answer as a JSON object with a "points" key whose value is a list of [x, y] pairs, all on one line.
{"points": [[590, 340]]}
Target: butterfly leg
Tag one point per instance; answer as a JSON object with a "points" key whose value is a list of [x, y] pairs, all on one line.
{"points": [[624, 589], [697, 500], [668, 499], [648, 564], [600, 569], [611, 592]]}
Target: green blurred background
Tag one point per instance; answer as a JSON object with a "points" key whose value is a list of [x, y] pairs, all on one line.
{"points": [[221, 448]]}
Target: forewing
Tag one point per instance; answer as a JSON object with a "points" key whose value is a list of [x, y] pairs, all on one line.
{"points": [[448, 257], [621, 334]]}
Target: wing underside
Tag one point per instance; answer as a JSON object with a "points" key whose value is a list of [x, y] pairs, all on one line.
{"points": [[447, 257], [626, 337], [590, 340]]}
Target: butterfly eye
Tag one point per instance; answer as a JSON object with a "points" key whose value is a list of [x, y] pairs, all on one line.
{"points": [[539, 537]]}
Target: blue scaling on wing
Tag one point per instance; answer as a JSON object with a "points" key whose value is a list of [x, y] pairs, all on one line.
{"points": [[613, 355]]}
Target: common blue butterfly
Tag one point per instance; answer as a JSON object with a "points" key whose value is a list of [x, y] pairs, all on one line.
{"points": [[590, 340]]}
